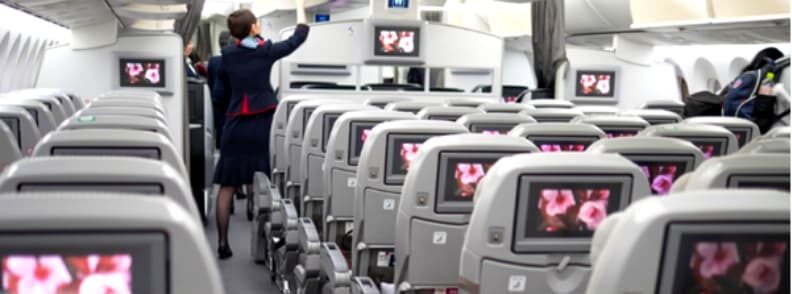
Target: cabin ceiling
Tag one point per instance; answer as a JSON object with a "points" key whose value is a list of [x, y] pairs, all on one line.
{"points": [[79, 13]]}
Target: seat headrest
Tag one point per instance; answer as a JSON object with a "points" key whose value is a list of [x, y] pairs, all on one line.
{"points": [[505, 107], [542, 114], [352, 129], [105, 174], [665, 236], [154, 233], [655, 116], [551, 103], [772, 145], [381, 102], [742, 171], [712, 140], [22, 125], [447, 113], [10, 147], [745, 130], [112, 121]]}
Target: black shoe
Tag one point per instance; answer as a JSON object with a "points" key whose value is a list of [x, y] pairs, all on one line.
{"points": [[224, 252]]}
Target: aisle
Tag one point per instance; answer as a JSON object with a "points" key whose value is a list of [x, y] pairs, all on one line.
{"points": [[240, 274]]}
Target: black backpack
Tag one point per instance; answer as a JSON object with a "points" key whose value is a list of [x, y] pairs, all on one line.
{"points": [[704, 103]]}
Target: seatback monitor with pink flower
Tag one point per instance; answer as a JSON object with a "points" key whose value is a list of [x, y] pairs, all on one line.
{"points": [[561, 209], [137, 72], [459, 173], [492, 128], [401, 150], [562, 144], [84, 263], [711, 147], [359, 132], [662, 170], [716, 257]]}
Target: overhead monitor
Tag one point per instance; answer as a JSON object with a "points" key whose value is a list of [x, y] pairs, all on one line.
{"points": [[562, 143], [662, 170], [595, 84], [710, 146], [395, 42], [458, 175], [492, 128], [133, 188], [559, 213], [329, 122], [401, 150], [359, 132], [84, 262], [725, 257], [141, 152], [775, 182], [142, 72], [13, 125]]}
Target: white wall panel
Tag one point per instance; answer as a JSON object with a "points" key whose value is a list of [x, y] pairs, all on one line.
{"points": [[94, 71]]}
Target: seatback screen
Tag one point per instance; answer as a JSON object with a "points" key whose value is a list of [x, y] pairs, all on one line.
{"points": [[711, 147], [725, 258], [562, 144], [327, 128], [33, 113], [773, 182], [662, 174], [458, 175], [84, 263], [595, 83], [136, 72], [359, 132], [742, 135], [401, 150], [614, 132], [396, 41], [492, 129], [142, 152]]}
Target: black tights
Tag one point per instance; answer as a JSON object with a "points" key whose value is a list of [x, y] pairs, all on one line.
{"points": [[223, 214]]}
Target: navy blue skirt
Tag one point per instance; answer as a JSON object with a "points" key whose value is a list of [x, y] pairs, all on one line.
{"points": [[244, 149]]}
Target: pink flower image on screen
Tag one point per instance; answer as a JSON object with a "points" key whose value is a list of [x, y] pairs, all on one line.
{"points": [[491, 132], [511, 99], [388, 41], [562, 147], [603, 84], [408, 152], [134, 71], [72, 274], [588, 82], [612, 135], [661, 177], [467, 176], [731, 267], [557, 201], [153, 73], [573, 209], [406, 41], [365, 135], [708, 150]]}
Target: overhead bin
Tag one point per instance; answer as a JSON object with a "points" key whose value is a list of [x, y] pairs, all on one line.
{"points": [[151, 11], [742, 8], [598, 16]]}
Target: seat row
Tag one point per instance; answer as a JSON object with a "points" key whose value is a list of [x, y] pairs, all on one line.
{"points": [[369, 199], [105, 187]]}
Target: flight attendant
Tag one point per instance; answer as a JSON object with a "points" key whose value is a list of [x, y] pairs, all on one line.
{"points": [[245, 75]]}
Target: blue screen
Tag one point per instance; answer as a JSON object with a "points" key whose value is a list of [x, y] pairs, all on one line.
{"points": [[322, 18], [398, 3]]}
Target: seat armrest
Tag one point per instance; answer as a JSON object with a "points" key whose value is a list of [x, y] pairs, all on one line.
{"points": [[289, 213], [309, 236], [364, 285], [334, 265]]}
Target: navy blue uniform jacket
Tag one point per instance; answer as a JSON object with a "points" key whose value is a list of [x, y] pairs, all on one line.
{"points": [[245, 73]]}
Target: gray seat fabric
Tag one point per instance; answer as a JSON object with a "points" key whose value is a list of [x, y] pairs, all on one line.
{"points": [[774, 145], [102, 174], [745, 130], [9, 148], [663, 160], [437, 199], [446, 113], [42, 115], [22, 125], [712, 140], [384, 161], [615, 126], [112, 142], [639, 252], [543, 115], [112, 121], [278, 138], [534, 218], [505, 107], [655, 116], [154, 231], [494, 123], [558, 137], [551, 103], [410, 106]]}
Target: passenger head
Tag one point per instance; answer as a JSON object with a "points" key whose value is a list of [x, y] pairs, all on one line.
{"points": [[243, 23], [188, 48], [224, 39], [763, 58]]}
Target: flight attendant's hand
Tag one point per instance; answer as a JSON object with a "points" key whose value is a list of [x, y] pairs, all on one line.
{"points": [[300, 9]]}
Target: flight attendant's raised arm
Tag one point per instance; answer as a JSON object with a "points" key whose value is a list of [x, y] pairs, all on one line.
{"points": [[286, 47]]}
